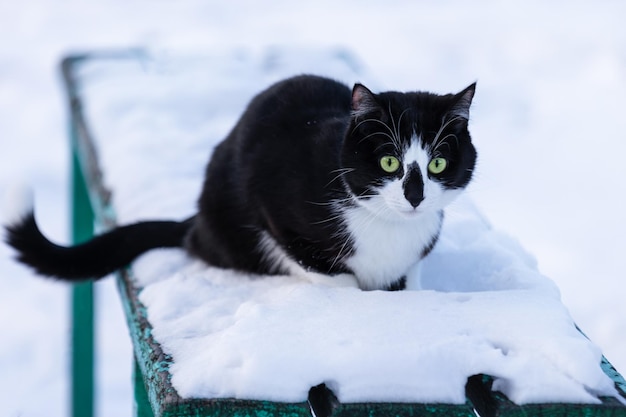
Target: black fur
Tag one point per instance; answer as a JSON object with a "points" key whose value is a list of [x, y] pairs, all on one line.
{"points": [[279, 173], [276, 172], [97, 257]]}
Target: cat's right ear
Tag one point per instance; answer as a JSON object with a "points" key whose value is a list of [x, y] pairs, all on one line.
{"points": [[463, 100], [363, 101]]}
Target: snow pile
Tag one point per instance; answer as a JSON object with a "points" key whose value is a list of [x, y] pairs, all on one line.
{"points": [[482, 306], [275, 337]]}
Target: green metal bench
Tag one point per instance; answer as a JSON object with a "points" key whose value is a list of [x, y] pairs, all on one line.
{"points": [[154, 393]]}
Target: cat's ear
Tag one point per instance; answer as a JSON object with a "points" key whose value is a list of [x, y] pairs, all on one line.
{"points": [[363, 101], [462, 102]]}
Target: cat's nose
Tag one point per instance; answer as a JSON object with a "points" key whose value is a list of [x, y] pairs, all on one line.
{"points": [[414, 186], [414, 199]]}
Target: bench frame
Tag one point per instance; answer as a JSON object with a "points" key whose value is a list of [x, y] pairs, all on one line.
{"points": [[154, 394]]}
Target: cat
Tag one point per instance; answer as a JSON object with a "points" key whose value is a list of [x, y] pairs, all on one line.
{"points": [[315, 177]]}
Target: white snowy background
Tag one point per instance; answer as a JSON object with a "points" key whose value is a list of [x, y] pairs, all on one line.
{"points": [[548, 124]]}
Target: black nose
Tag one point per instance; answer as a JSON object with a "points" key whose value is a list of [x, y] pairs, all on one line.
{"points": [[414, 185], [414, 197]]}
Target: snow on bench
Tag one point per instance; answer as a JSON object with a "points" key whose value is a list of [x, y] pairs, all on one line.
{"points": [[481, 307]]}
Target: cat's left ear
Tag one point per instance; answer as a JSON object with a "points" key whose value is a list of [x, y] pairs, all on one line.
{"points": [[363, 101], [462, 102]]}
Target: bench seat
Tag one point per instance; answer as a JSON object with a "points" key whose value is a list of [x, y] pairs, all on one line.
{"points": [[138, 121]]}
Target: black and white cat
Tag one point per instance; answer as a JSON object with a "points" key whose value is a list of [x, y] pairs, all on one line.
{"points": [[314, 178]]}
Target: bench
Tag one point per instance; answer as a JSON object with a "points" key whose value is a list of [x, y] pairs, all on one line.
{"points": [[93, 207]]}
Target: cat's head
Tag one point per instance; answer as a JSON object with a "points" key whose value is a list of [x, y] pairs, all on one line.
{"points": [[407, 153]]}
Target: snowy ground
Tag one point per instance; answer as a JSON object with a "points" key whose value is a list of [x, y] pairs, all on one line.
{"points": [[547, 123]]}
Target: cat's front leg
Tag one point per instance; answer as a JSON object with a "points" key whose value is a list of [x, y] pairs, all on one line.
{"points": [[399, 285], [414, 277]]}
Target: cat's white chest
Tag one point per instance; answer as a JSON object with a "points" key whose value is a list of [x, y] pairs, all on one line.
{"points": [[384, 250]]}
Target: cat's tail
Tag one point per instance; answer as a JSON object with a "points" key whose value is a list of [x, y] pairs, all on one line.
{"points": [[97, 257]]}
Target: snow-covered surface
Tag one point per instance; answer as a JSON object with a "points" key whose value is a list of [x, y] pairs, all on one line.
{"points": [[275, 337], [237, 336], [550, 96]]}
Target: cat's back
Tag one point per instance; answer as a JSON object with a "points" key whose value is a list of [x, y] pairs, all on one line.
{"points": [[300, 102], [293, 129]]}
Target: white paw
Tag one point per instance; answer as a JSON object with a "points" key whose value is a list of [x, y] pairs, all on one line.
{"points": [[414, 277]]}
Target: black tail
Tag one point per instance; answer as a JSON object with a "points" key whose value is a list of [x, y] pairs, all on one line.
{"points": [[97, 257]]}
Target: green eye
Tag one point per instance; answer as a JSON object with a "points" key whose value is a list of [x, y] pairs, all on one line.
{"points": [[389, 163], [437, 165]]}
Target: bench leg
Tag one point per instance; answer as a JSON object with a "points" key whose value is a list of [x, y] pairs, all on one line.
{"points": [[82, 327]]}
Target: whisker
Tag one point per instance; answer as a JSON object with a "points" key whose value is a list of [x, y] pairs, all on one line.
{"points": [[397, 128], [340, 253], [373, 120], [339, 200], [439, 145], [328, 220], [392, 135], [443, 126], [383, 145], [341, 172], [442, 141], [392, 132], [380, 133]]}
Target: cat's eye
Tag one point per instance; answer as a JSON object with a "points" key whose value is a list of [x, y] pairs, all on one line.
{"points": [[389, 163], [437, 165]]}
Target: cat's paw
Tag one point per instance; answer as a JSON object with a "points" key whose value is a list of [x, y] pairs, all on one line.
{"points": [[414, 277]]}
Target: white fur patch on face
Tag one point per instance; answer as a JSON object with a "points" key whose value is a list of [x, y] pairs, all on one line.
{"points": [[436, 197], [389, 235], [393, 191]]}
